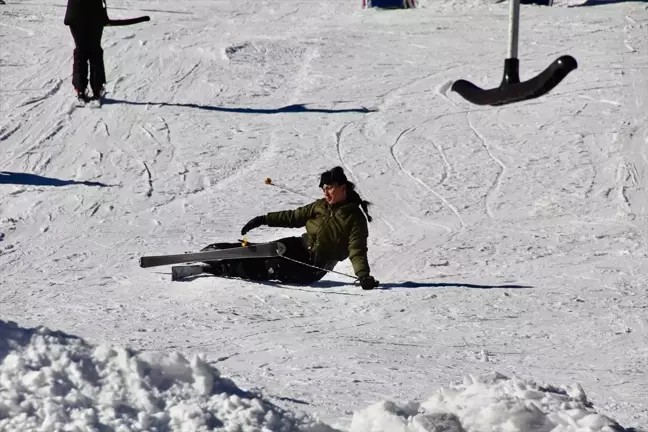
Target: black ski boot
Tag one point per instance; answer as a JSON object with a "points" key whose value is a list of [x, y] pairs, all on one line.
{"points": [[98, 96], [82, 97], [218, 268]]}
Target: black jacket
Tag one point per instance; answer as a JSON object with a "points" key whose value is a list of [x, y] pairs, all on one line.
{"points": [[86, 12]]}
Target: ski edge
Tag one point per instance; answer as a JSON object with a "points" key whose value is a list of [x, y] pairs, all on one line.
{"points": [[181, 272], [263, 250]]}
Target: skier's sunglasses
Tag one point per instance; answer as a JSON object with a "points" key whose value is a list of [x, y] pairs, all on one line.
{"points": [[327, 187]]}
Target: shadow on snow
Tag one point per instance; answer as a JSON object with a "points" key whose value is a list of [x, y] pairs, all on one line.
{"points": [[13, 336], [7, 177], [298, 108], [605, 2], [412, 284], [383, 286]]}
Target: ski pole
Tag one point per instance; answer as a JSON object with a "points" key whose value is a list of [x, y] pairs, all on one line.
{"points": [[320, 268], [269, 181]]}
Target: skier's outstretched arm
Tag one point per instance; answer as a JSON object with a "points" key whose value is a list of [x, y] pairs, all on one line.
{"points": [[287, 219]]}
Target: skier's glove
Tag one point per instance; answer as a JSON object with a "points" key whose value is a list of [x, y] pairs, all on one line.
{"points": [[368, 282], [253, 223]]}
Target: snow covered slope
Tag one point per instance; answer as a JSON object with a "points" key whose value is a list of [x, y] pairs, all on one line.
{"points": [[508, 239]]}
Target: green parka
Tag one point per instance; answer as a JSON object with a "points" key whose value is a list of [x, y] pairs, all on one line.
{"points": [[334, 232]]}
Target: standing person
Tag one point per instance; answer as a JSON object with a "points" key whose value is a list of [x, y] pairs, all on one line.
{"points": [[86, 19], [336, 229]]}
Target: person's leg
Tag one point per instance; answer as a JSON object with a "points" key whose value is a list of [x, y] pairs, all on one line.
{"points": [[80, 59], [97, 69], [276, 268], [247, 268], [294, 266]]}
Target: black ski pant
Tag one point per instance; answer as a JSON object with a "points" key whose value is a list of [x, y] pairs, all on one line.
{"points": [[87, 41], [274, 268]]}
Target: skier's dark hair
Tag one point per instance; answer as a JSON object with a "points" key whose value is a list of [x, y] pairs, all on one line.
{"points": [[336, 176]]}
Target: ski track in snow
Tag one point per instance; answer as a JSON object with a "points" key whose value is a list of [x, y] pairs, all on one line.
{"points": [[338, 146], [495, 186], [449, 230], [386, 100]]}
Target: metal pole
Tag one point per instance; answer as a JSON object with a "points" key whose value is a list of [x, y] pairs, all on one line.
{"points": [[514, 26], [320, 268]]}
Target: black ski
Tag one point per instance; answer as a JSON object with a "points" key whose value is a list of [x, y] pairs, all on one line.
{"points": [[261, 250]]}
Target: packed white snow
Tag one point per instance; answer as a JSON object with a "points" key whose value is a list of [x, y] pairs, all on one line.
{"points": [[490, 403], [52, 381]]}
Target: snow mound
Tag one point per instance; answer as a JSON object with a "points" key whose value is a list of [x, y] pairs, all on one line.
{"points": [[51, 381], [492, 403]]}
